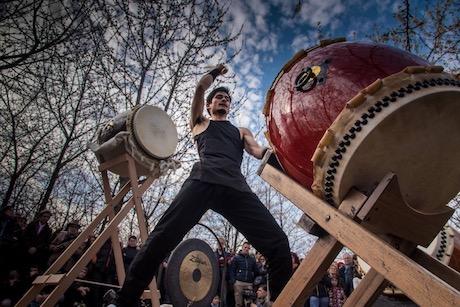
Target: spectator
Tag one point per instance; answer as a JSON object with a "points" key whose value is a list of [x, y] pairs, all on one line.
{"points": [[262, 297], [334, 270], [10, 234], [337, 295], [22, 223], [32, 274], [243, 270], [37, 238], [224, 258], [347, 273], [11, 290], [261, 278], [320, 295], [79, 294], [62, 241], [130, 251], [215, 301], [103, 269]]}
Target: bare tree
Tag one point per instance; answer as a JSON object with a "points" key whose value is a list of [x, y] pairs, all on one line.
{"points": [[30, 30], [431, 31]]}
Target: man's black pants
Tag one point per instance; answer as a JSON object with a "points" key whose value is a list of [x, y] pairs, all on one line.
{"points": [[243, 210]]}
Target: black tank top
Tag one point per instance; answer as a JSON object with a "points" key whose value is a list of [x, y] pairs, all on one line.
{"points": [[220, 148]]}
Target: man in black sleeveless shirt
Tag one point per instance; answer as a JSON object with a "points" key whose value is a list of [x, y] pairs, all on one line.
{"points": [[215, 183]]}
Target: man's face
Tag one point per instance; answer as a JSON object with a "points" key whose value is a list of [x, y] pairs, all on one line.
{"points": [[73, 229], [347, 259], [220, 104], [44, 218], [132, 242], [246, 248], [261, 293]]}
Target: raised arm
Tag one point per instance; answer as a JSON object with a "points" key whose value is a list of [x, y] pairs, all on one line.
{"points": [[198, 102], [250, 144]]}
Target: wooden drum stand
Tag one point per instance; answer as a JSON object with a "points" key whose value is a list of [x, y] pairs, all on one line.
{"points": [[382, 229], [63, 281]]}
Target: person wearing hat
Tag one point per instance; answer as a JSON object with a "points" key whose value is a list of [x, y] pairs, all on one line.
{"points": [[37, 237]]}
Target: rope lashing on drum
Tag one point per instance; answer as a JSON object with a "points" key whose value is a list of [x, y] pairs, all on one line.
{"points": [[372, 112]]}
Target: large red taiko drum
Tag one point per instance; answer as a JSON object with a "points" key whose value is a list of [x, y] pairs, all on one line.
{"points": [[344, 114]]}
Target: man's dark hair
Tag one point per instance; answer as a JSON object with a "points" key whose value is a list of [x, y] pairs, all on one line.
{"points": [[132, 237], [213, 93]]}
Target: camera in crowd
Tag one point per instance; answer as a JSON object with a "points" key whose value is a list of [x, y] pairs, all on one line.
{"points": [[249, 297]]}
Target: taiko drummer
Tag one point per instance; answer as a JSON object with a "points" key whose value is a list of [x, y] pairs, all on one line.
{"points": [[215, 183]]}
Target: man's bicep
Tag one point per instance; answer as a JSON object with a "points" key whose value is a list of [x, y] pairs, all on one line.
{"points": [[250, 143]]}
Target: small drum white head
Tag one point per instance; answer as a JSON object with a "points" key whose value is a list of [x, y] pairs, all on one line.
{"points": [[154, 131]]}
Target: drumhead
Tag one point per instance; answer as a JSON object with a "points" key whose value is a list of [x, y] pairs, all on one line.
{"points": [[406, 127], [154, 131]]}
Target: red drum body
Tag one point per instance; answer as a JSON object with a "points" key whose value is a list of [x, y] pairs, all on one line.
{"points": [[298, 118], [343, 115]]}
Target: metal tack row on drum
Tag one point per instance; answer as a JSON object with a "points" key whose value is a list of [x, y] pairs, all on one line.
{"points": [[342, 115]]}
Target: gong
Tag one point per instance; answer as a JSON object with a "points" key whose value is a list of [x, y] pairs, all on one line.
{"points": [[192, 274]]}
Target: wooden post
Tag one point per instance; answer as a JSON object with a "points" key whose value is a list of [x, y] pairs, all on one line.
{"points": [[318, 260]]}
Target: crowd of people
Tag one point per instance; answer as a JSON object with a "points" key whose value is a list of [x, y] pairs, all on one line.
{"points": [[246, 280], [27, 250]]}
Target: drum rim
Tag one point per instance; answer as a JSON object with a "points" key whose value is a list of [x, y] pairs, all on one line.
{"points": [[326, 160]]}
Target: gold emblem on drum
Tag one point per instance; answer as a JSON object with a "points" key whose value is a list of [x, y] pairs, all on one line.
{"points": [[309, 77]]}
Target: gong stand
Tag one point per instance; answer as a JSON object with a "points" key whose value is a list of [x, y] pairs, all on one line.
{"points": [[63, 281], [382, 229]]}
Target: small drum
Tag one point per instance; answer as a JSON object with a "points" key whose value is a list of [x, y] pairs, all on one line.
{"points": [[343, 115], [147, 133]]}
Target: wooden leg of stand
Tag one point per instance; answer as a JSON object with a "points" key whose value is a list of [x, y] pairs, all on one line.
{"points": [[119, 265], [318, 260], [154, 295], [309, 272], [368, 290]]}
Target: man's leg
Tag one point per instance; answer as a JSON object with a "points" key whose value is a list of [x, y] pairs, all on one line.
{"points": [[185, 211], [239, 287], [246, 212]]}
